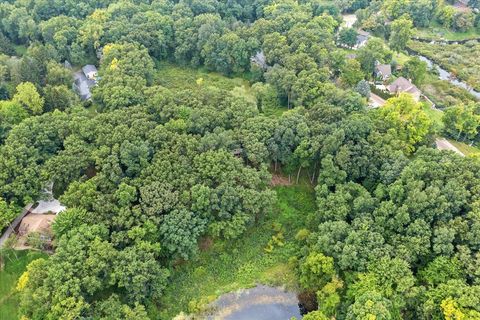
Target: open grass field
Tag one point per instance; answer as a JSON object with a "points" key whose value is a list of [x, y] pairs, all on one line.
{"points": [[436, 118], [438, 32], [231, 265], [177, 77], [173, 76], [15, 264]]}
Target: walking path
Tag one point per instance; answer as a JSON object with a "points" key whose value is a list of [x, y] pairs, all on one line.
{"points": [[444, 144]]}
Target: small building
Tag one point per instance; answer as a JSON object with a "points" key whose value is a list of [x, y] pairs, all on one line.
{"points": [[362, 38], [85, 80], [260, 60], [402, 85], [375, 101], [90, 71], [383, 71]]}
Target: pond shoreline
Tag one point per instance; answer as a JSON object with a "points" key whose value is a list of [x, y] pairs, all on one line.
{"points": [[444, 74]]}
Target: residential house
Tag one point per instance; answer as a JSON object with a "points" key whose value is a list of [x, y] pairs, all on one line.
{"points": [[375, 101], [85, 80], [362, 38], [260, 60], [402, 85], [383, 71], [90, 71]]}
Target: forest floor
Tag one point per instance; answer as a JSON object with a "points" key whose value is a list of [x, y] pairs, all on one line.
{"points": [[261, 255], [15, 264]]}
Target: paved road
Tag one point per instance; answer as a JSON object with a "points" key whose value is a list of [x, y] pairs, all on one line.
{"points": [[444, 144]]}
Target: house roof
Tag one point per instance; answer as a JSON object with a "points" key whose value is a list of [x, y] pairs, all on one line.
{"points": [[403, 85], [384, 69], [48, 206], [89, 68], [363, 33], [260, 59], [362, 36], [83, 85]]}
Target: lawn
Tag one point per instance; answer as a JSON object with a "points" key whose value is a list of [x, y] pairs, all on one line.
{"points": [[465, 148], [230, 265], [15, 264], [436, 116], [438, 32]]}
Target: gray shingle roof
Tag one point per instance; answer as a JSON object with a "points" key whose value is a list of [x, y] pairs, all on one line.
{"points": [[89, 68]]}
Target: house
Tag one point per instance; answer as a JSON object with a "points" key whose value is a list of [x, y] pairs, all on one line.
{"points": [[85, 80], [82, 85], [362, 38], [90, 71], [375, 101], [402, 85], [383, 71], [260, 60]]}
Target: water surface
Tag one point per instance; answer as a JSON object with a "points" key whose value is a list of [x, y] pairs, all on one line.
{"points": [[258, 303]]}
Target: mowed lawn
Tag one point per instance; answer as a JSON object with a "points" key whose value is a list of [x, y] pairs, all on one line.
{"points": [[231, 265], [15, 264]]}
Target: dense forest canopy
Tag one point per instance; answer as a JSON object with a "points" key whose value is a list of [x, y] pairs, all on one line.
{"points": [[146, 171]]}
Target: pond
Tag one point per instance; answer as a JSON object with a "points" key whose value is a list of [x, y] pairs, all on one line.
{"points": [[259, 303], [448, 76]]}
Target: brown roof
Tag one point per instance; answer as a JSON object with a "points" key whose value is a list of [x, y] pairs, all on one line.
{"points": [[403, 85], [384, 69]]}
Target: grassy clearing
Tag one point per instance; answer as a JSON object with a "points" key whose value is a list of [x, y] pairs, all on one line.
{"points": [[180, 77], [438, 32], [436, 116], [465, 148], [231, 265], [15, 264]]}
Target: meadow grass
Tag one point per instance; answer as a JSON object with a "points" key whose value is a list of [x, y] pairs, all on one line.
{"points": [[465, 148]]}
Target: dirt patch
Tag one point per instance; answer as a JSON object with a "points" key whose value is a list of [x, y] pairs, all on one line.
{"points": [[205, 243], [278, 180]]}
